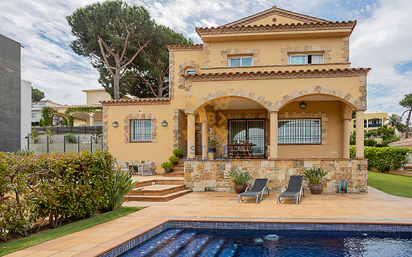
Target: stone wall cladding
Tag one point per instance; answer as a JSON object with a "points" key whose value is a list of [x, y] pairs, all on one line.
{"points": [[236, 51], [306, 48], [206, 53], [214, 175], [143, 116], [298, 115], [345, 48], [182, 69], [171, 74], [176, 128]]}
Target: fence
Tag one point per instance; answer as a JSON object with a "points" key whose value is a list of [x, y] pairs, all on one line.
{"points": [[59, 144], [73, 130]]}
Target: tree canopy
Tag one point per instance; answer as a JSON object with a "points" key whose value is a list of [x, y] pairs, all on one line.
{"points": [[127, 47], [396, 122], [406, 102], [112, 33], [36, 95]]}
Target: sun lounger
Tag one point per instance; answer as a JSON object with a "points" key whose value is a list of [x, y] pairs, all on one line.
{"points": [[293, 190], [258, 189]]}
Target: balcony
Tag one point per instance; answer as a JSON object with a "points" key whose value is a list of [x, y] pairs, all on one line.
{"points": [[373, 125]]}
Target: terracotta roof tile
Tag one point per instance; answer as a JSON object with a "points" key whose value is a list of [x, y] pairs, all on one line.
{"points": [[137, 101], [185, 47], [401, 141], [277, 27]]}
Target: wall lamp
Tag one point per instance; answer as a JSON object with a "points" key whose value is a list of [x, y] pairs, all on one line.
{"points": [[164, 123], [302, 105], [115, 124]]}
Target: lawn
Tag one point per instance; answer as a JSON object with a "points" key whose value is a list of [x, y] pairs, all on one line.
{"points": [[391, 184], [23, 243]]}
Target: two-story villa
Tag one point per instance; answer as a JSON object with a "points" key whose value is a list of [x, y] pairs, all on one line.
{"points": [[278, 81]]}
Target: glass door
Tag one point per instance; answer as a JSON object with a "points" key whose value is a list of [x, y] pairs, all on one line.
{"points": [[252, 130]]}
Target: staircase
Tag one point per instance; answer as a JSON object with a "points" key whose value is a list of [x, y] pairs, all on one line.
{"points": [[177, 171], [158, 190]]}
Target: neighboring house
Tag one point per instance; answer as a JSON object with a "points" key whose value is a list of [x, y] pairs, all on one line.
{"points": [[10, 95], [279, 80], [371, 122], [406, 143], [37, 106]]}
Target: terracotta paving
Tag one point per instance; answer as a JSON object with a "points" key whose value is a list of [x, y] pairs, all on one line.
{"points": [[375, 207]]}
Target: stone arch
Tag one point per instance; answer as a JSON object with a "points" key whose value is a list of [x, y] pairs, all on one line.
{"points": [[192, 104], [182, 69], [318, 90]]}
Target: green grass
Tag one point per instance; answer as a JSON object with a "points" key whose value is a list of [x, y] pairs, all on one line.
{"points": [[391, 184], [23, 243]]}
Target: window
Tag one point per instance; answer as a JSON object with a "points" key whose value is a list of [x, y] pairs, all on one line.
{"points": [[237, 61], [33, 115], [305, 58], [299, 131], [141, 130], [190, 71]]}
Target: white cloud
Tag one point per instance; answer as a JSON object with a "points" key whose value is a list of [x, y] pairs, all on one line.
{"points": [[382, 42]]}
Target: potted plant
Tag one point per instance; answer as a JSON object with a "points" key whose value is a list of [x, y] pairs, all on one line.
{"points": [[213, 141], [316, 178], [178, 152], [167, 166], [173, 159], [240, 179]]}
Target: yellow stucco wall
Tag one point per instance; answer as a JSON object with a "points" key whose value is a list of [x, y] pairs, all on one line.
{"points": [[93, 97]]}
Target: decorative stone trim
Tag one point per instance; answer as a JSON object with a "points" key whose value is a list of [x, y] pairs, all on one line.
{"points": [[277, 27], [306, 48], [185, 47], [182, 69], [105, 126], [249, 115], [137, 101], [143, 116], [274, 11], [299, 115], [206, 53], [251, 50], [171, 75], [345, 48], [176, 128], [364, 95]]}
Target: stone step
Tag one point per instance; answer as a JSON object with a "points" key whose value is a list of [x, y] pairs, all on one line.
{"points": [[174, 174], [160, 182], [162, 198], [158, 190]]}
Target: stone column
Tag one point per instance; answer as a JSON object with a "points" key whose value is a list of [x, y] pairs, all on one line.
{"points": [[205, 140], [191, 140], [359, 134], [91, 119], [345, 138], [273, 150]]}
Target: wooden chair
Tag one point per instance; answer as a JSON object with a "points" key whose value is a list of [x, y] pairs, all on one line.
{"points": [[232, 148], [244, 148]]}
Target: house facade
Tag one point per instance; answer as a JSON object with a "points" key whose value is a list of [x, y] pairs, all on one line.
{"points": [[278, 81], [371, 122]]}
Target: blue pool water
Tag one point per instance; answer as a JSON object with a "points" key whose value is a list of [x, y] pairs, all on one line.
{"points": [[179, 242]]}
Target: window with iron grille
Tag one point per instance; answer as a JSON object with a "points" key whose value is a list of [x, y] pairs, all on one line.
{"points": [[141, 130], [299, 131]]}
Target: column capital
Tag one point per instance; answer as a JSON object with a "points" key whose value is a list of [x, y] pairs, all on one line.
{"points": [[273, 112], [360, 110], [346, 119]]}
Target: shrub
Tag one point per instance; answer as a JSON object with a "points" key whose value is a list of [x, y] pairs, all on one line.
{"points": [[173, 159], [178, 152], [239, 177], [167, 165], [316, 176], [384, 158], [58, 186], [121, 183], [70, 138], [370, 142]]}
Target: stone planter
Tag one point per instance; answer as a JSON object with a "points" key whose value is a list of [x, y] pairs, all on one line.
{"points": [[316, 189], [240, 188], [167, 170]]}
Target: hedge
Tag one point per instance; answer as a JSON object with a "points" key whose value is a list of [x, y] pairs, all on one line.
{"points": [[384, 158], [63, 186]]}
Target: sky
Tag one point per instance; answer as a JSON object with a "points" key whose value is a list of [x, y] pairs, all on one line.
{"points": [[381, 39]]}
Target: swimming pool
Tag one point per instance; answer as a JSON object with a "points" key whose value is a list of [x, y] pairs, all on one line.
{"points": [[269, 239]]}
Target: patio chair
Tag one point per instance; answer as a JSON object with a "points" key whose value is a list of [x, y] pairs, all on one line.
{"points": [[293, 190], [233, 148], [258, 189], [122, 166], [145, 169]]}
